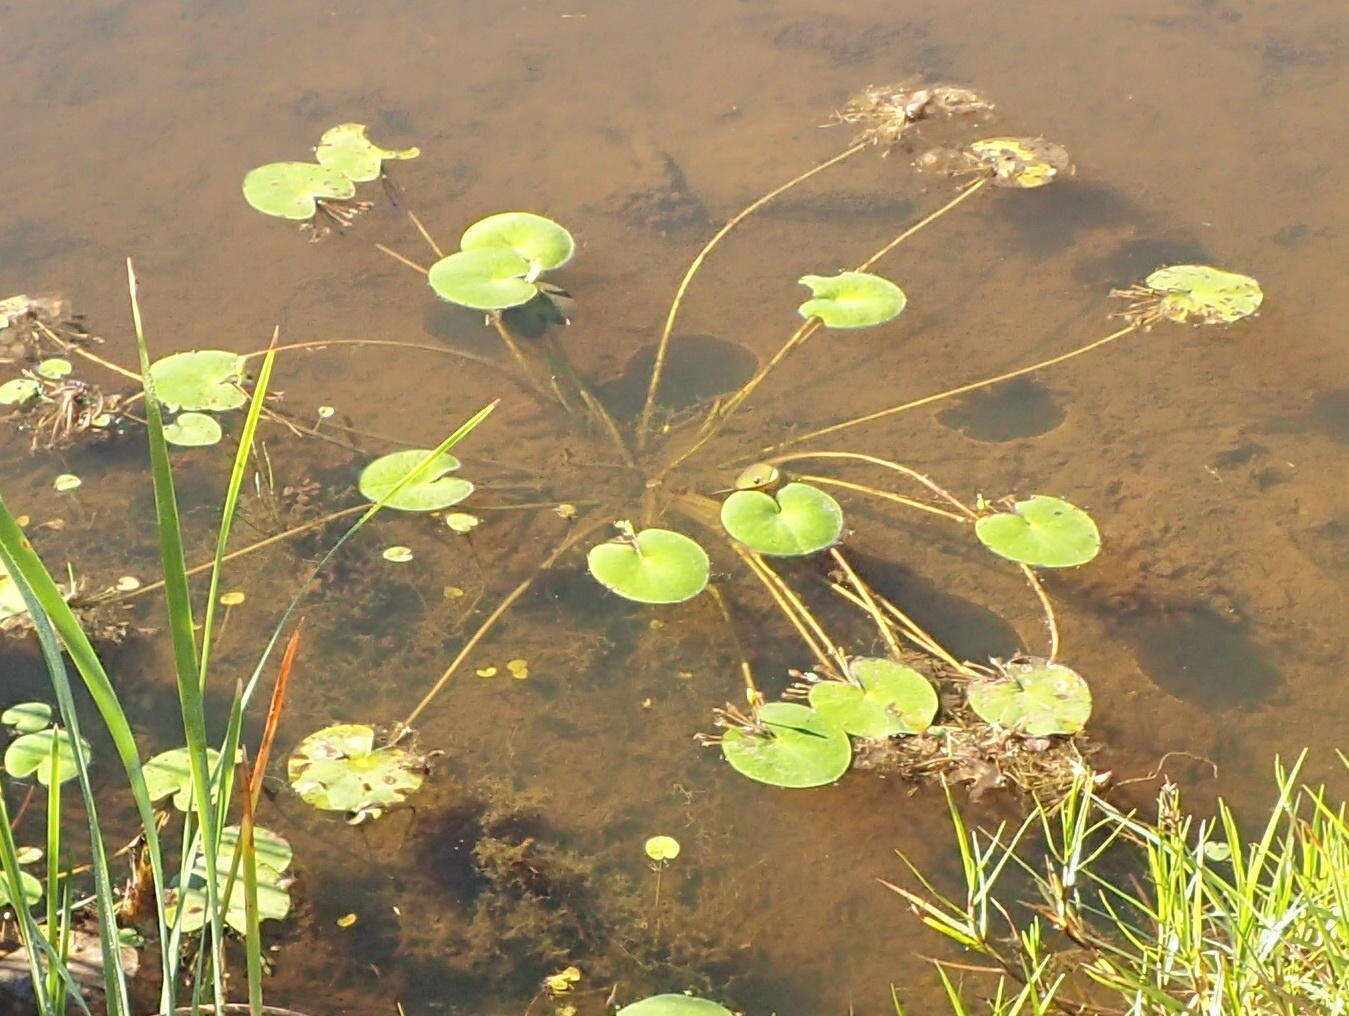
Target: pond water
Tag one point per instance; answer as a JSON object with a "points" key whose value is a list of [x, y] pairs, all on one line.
{"points": [[1213, 623]]}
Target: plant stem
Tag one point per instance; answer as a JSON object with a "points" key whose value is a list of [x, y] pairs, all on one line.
{"points": [[401, 259], [662, 347], [810, 630], [425, 235], [874, 460], [752, 692], [886, 494], [1038, 587], [868, 604], [960, 390]]}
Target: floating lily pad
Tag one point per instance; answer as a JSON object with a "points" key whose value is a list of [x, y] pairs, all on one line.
{"points": [[757, 476], [398, 554], [291, 190], [11, 600], [429, 490], [662, 848], [170, 772], [338, 768], [273, 896], [17, 391], [272, 849], [1209, 295], [202, 379], [30, 754], [66, 482], [193, 430], [674, 1005], [27, 717], [653, 566], [799, 519], [888, 699], [798, 748], [55, 368], [485, 279], [1022, 162], [32, 889], [852, 299], [345, 149], [1044, 531], [541, 242], [1033, 697]]}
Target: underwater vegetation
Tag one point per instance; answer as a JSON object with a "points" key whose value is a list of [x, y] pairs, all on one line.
{"points": [[874, 692]]}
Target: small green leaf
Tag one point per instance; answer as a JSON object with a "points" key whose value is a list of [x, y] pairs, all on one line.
{"points": [[55, 368], [653, 566], [485, 279], [170, 772], [272, 849], [541, 242], [338, 768], [290, 190], [1209, 295], [273, 895], [204, 379], [67, 482], [888, 699], [193, 430], [462, 522], [345, 149], [1044, 531], [27, 717], [674, 1005], [799, 519], [398, 554], [1033, 697], [852, 299], [796, 748], [31, 753], [17, 391], [661, 848], [32, 889], [429, 490]]}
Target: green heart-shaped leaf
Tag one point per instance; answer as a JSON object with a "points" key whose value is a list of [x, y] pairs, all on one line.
{"points": [[653, 566], [338, 768], [345, 149], [202, 379], [192, 430], [31, 753], [799, 519], [488, 279], [852, 299], [273, 896], [888, 699], [170, 772], [273, 849], [1033, 697], [18, 390], [674, 1005], [1044, 531], [429, 490], [32, 889], [1209, 295], [289, 190], [541, 242], [798, 748], [27, 717]]}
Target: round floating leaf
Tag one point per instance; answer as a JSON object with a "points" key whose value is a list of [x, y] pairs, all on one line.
{"points": [[290, 190], [486, 279], [193, 430], [338, 768], [1022, 162], [1033, 697], [345, 149], [852, 299], [462, 522], [55, 368], [427, 491], [273, 896], [799, 519], [67, 482], [662, 848], [541, 242], [761, 474], [170, 772], [27, 717], [1209, 295], [202, 379], [273, 849], [674, 1005], [398, 555], [888, 699], [1044, 531], [797, 748], [31, 753], [654, 566], [32, 889], [18, 390]]}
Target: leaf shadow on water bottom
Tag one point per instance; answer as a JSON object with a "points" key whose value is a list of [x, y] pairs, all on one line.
{"points": [[1014, 409], [697, 368]]}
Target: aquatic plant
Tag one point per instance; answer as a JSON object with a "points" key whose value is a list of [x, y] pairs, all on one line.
{"points": [[795, 520], [674, 1005], [500, 260], [414, 480], [786, 745], [882, 699], [1033, 697], [651, 566], [339, 768]]}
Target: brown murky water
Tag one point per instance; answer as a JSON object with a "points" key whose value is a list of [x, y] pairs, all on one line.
{"points": [[1213, 460]]}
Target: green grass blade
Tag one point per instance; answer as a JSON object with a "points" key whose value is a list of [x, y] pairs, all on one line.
{"points": [[54, 858]]}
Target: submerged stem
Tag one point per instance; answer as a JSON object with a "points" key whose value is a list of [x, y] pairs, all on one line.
{"points": [[1038, 587], [868, 603], [888, 495], [874, 460]]}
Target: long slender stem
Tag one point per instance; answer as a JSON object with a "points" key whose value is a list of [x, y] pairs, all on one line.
{"points": [[754, 564], [1038, 587], [927, 400], [874, 460], [868, 603], [663, 345], [400, 258], [752, 693], [924, 222], [860, 488], [425, 235]]}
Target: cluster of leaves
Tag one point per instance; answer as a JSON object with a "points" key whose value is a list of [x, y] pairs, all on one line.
{"points": [[499, 261]]}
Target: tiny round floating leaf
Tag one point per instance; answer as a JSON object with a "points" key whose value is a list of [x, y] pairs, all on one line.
{"points": [[541, 242], [674, 1005], [799, 519], [27, 717], [655, 566], [345, 149], [889, 699], [1209, 295], [290, 190], [1033, 697], [11, 600], [338, 768], [398, 555], [170, 772], [852, 299], [31, 753], [462, 522], [486, 279], [662, 848], [797, 748], [757, 476], [1042, 530], [18, 390], [1022, 162], [193, 430], [55, 368], [67, 482], [204, 379], [427, 491], [30, 886], [233, 598]]}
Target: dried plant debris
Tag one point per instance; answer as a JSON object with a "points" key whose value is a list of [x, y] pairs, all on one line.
{"points": [[59, 412], [885, 113], [33, 328]]}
